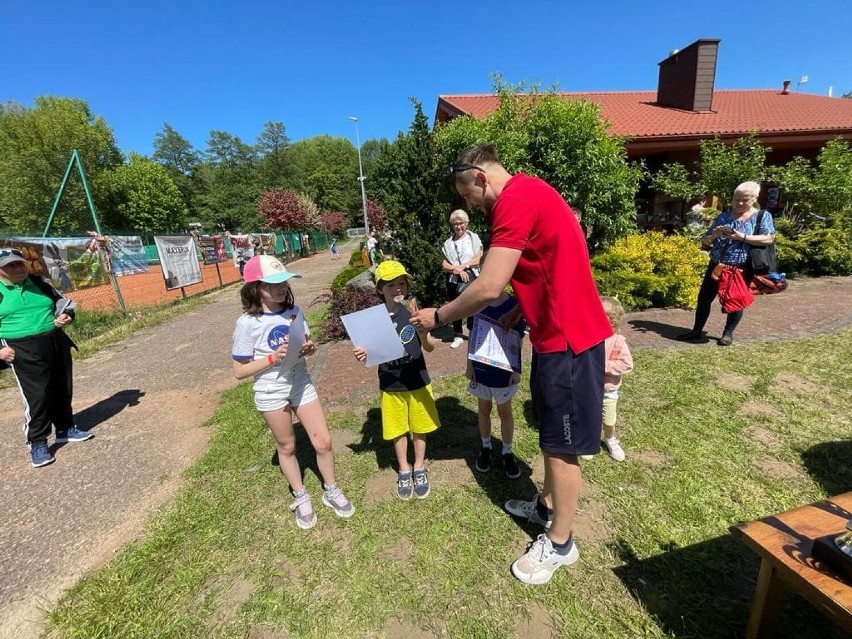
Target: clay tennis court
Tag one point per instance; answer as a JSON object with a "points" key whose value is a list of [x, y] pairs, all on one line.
{"points": [[149, 289]]}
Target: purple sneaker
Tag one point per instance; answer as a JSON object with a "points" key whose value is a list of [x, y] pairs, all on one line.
{"points": [[334, 498], [305, 515]]}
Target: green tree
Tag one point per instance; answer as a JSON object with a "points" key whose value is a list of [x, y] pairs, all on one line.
{"points": [[406, 181], [275, 169], [182, 161], [230, 182], [35, 146], [564, 142], [721, 168], [325, 168], [144, 198]]}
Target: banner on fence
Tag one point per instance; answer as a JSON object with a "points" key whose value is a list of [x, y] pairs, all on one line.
{"points": [[263, 243], [178, 260], [69, 263], [127, 254], [212, 249]]}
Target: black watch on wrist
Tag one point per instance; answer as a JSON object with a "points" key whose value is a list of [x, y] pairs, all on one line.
{"points": [[438, 321]]}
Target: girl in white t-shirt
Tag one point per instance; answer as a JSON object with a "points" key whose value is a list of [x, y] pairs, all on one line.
{"points": [[282, 386]]}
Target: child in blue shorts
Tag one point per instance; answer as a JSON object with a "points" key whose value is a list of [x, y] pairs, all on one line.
{"points": [[491, 383], [408, 403]]}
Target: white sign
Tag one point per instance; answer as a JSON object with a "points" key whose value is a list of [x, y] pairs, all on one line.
{"points": [[178, 260], [372, 330], [295, 342], [493, 346]]}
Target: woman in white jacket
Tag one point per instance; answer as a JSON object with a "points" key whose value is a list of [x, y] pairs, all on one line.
{"points": [[462, 253]]}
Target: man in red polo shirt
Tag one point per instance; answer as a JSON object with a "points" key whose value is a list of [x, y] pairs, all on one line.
{"points": [[538, 245]]}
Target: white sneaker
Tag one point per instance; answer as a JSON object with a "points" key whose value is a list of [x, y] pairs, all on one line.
{"points": [[523, 509], [615, 449], [537, 565], [457, 342], [587, 457]]}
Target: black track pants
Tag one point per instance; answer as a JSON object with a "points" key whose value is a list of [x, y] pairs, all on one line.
{"points": [[43, 370]]}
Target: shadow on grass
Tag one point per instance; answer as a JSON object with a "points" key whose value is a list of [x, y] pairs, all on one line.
{"points": [[666, 331], [529, 414], [830, 464], [456, 439], [705, 590]]}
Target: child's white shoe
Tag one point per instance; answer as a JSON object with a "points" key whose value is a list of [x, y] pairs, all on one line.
{"points": [[615, 449]]}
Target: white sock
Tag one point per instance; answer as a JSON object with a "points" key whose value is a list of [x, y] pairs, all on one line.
{"points": [[486, 442], [507, 448]]}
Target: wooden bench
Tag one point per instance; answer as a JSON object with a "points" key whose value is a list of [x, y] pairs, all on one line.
{"points": [[784, 543]]}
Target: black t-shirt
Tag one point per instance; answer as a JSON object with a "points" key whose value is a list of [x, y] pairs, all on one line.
{"points": [[407, 373]]}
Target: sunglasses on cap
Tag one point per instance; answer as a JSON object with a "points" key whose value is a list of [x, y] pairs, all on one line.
{"points": [[8, 252]]}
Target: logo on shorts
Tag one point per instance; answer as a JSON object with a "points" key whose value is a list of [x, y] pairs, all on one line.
{"points": [[278, 336], [566, 428]]}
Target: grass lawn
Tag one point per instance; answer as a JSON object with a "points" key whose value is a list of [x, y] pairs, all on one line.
{"points": [[713, 437]]}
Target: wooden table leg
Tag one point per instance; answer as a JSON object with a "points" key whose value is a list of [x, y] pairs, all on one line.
{"points": [[767, 599]]}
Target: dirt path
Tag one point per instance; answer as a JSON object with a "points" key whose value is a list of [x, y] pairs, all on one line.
{"points": [[145, 400]]}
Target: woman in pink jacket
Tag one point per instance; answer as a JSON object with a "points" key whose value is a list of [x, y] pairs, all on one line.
{"points": [[619, 362]]}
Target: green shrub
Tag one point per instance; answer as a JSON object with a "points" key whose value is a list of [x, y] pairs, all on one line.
{"points": [[340, 280], [822, 249], [356, 259], [651, 270]]}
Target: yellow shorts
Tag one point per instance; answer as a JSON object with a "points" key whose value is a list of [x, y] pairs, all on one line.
{"points": [[404, 411]]}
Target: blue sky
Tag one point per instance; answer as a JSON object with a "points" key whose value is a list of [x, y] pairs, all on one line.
{"points": [[234, 65]]}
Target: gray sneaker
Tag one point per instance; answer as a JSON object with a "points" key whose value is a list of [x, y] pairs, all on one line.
{"points": [[523, 509], [305, 515], [537, 565], [335, 499]]}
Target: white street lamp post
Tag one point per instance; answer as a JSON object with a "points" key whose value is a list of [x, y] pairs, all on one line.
{"points": [[361, 177]]}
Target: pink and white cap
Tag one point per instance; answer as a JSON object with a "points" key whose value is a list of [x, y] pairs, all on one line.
{"points": [[265, 268]]}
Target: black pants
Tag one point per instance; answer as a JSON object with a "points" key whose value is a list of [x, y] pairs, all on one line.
{"points": [[706, 294], [43, 370], [452, 294]]}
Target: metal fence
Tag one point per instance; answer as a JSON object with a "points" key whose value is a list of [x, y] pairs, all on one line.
{"points": [[82, 268]]}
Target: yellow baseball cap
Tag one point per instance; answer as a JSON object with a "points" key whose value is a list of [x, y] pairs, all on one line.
{"points": [[390, 270]]}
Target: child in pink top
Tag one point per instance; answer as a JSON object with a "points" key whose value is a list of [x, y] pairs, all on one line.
{"points": [[619, 362]]}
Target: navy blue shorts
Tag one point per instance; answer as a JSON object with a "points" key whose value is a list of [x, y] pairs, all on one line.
{"points": [[567, 395]]}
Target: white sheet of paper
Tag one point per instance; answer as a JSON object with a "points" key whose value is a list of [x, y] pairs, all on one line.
{"points": [[493, 346], [294, 344], [372, 330]]}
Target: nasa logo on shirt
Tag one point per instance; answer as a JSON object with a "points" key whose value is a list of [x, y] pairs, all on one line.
{"points": [[278, 336]]}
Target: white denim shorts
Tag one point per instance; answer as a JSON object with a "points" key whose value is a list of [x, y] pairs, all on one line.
{"points": [[295, 391], [499, 395]]}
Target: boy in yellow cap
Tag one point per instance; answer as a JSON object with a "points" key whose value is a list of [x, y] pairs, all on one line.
{"points": [[408, 403]]}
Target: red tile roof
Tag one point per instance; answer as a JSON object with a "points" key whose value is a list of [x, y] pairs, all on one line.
{"points": [[735, 112]]}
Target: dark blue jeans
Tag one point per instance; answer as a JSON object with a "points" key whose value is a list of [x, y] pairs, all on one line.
{"points": [[706, 294]]}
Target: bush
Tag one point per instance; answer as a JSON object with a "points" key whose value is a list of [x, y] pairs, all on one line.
{"points": [[344, 302], [822, 250], [355, 259], [651, 270], [340, 280]]}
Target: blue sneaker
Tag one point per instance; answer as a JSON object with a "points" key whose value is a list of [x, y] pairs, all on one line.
{"points": [[421, 483], [403, 485], [72, 434], [40, 454]]}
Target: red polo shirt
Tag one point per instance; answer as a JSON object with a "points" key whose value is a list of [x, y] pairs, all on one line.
{"points": [[553, 279]]}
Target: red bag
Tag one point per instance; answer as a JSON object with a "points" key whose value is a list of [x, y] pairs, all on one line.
{"points": [[734, 294], [765, 285]]}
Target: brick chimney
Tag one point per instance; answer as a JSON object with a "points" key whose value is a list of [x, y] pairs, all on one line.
{"points": [[687, 77]]}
